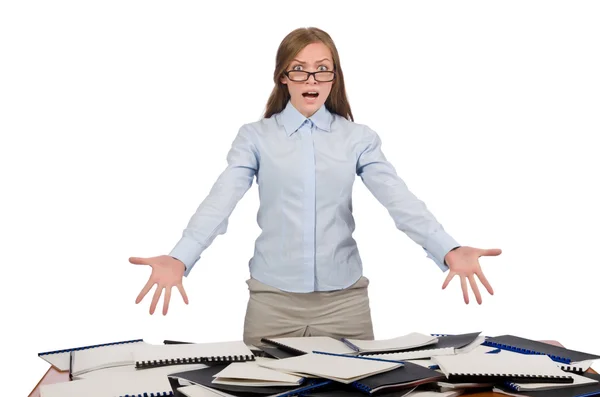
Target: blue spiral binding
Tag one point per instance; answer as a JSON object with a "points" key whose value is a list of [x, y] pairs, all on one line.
{"points": [[308, 388], [361, 386], [158, 394], [89, 347], [525, 351], [512, 385]]}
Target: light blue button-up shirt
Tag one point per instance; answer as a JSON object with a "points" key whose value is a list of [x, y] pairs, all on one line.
{"points": [[305, 169]]}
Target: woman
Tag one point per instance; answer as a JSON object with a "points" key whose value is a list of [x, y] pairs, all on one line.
{"points": [[306, 272]]}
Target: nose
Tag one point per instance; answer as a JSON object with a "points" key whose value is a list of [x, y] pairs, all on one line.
{"points": [[314, 80]]}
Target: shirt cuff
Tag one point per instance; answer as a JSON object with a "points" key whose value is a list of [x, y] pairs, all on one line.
{"points": [[187, 251], [438, 245]]}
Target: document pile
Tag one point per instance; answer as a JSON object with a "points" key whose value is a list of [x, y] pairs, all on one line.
{"points": [[413, 365]]}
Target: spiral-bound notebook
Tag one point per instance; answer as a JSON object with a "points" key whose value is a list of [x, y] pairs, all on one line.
{"points": [[60, 359], [172, 354], [337, 367], [578, 380], [298, 345], [252, 374], [409, 375], [205, 377], [588, 390], [139, 383], [405, 342], [575, 361], [446, 344], [501, 367]]}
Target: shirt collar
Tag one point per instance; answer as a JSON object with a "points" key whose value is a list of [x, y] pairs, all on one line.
{"points": [[292, 119]]}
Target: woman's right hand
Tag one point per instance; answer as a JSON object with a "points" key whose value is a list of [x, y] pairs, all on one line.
{"points": [[167, 272]]}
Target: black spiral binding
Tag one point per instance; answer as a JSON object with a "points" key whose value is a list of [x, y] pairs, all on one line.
{"points": [[514, 378], [89, 347], [572, 368], [195, 360], [158, 394], [526, 351], [289, 349]]}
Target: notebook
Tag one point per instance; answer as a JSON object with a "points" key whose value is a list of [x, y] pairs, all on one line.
{"points": [[170, 354], [481, 368], [205, 377], [409, 375], [405, 342], [575, 391], [307, 344], [106, 373], [60, 359], [338, 368], [251, 374], [118, 384], [576, 361], [275, 352], [446, 345], [578, 380], [112, 356]]}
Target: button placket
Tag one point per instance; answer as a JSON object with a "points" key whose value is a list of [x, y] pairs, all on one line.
{"points": [[309, 200]]}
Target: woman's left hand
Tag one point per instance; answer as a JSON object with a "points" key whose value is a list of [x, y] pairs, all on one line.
{"points": [[464, 262]]}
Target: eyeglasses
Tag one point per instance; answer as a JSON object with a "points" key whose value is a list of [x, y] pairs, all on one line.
{"points": [[300, 75]]}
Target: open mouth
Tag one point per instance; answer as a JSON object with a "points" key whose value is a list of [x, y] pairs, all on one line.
{"points": [[310, 94]]}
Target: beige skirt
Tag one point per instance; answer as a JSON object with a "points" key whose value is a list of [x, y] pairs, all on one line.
{"points": [[273, 313]]}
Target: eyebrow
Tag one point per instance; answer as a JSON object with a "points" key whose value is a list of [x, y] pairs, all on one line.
{"points": [[303, 63]]}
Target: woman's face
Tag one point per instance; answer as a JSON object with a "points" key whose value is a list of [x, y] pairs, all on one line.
{"points": [[314, 57]]}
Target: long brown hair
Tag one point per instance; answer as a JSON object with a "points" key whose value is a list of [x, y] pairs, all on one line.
{"points": [[290, 46]]}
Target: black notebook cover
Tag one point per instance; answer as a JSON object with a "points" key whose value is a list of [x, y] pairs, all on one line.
{"points": [[409, 375], [276, 352], [528, 346], [575, 391]]}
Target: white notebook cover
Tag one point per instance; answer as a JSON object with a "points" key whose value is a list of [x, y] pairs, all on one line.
{"points": [[337, 368], [252, 374], [408, 341], [499, 365], [150, 355]]}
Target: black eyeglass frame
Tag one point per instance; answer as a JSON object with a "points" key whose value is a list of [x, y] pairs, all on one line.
{"points": [[308, 74]]}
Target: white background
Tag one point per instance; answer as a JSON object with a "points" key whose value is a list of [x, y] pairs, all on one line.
{"points": [[116, 118]]}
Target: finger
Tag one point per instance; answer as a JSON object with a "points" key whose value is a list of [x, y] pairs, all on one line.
{"points": [[449, 278], [156, 297], [490, 252], [140, 261], [144, 291], [463, 284], [167, 300], [183, 294], [475, 288], [485, 282]]}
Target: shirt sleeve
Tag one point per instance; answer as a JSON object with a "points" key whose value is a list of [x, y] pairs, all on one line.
{"points": [[212, 215], [408, 212]]}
